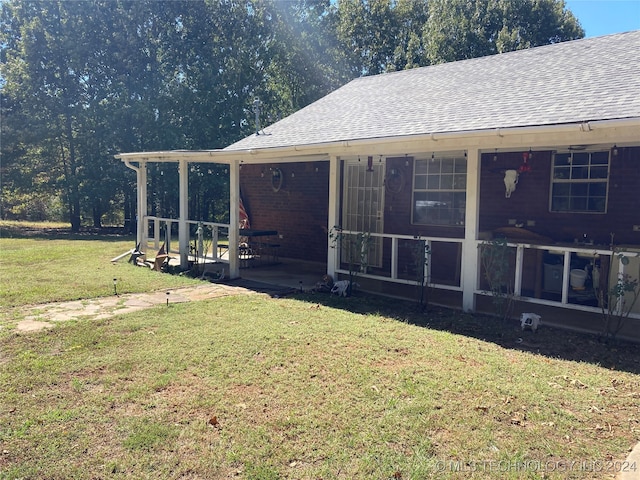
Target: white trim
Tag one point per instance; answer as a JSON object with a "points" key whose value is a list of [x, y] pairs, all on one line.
{"points": [[183, 232], [234, 219], [470, 270], [621, 131], [333, 214]]}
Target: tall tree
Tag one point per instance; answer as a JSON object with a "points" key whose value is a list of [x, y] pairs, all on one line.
{"points": [[81, 81], [461, 29]]}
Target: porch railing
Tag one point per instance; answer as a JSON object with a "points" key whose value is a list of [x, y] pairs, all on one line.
{"points": [[531, 273], [210, 239], [528, 270], [402, 260], [554, 264]]}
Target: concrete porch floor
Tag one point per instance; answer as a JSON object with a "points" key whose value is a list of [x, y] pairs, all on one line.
{"points": [[292, 273]]}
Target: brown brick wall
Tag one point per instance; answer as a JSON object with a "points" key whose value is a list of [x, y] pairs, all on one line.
{"points": [[298, 211], [530, 201]]}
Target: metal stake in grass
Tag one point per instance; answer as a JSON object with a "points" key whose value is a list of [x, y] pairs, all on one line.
{"points": [[115, 286], [168, 298]]}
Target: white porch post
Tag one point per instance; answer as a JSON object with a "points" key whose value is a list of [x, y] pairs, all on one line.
{"points": [[334, 205], [141, 233], [470, 265], [183, 227], [234, 218]]}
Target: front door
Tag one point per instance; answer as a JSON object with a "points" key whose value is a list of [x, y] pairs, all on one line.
{"points": [[363, 207]]}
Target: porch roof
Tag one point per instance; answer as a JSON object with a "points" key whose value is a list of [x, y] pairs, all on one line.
{"points": [[573, 82]]}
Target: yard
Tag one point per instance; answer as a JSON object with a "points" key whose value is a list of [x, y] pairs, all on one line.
{"points": [[303, 387]]}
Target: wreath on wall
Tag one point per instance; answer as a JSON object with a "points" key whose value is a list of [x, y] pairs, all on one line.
{"points": [[277, 178], [394, 182]]}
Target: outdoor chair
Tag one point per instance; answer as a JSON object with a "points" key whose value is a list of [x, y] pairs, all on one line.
{"points": [[161, 260]]}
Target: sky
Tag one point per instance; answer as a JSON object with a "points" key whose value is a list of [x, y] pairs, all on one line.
{"points": [[602, 17]]}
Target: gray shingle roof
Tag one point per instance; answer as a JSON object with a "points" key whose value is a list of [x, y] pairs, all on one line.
{"points": [[582, 80]]}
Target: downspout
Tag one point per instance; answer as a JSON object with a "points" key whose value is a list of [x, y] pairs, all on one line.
{"points": [[141, 199]]}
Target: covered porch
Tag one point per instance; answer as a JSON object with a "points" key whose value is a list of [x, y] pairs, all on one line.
{"points": [[541, 271]]}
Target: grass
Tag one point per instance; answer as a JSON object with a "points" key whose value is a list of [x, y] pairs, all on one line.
{"points": [[307, 387], [49, 264]]}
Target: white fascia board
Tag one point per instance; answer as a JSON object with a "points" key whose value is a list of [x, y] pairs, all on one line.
{"points": [[619, 131]]}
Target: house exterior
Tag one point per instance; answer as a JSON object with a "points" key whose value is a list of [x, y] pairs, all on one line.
{"points": [[539, 146]]}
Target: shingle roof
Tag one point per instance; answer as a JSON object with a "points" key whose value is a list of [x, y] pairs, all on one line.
{"points": [[582, 80]]}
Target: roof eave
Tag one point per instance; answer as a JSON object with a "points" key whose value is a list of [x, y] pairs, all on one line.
{"points": [[319, 151]]}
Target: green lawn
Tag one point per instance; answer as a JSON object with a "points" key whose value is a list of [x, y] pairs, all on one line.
{"points": [[36, 267], [307, 387]]}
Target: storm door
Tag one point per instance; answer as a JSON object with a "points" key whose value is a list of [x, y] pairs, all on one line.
{"points": [[363, 208]]}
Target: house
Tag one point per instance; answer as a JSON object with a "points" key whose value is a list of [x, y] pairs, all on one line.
{"points": [[541, 146]]}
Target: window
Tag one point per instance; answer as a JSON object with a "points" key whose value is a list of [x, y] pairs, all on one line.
{"points": [[579, 182], [439, 191]]}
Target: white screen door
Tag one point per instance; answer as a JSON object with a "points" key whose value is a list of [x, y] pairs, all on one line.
{"points": [[363, 208]]}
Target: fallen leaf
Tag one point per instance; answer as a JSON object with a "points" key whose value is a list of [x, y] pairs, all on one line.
{"points": [[578, 383], [213, 421]]}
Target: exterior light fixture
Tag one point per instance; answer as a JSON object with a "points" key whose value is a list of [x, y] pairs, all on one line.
{"points": [[614, 151]]}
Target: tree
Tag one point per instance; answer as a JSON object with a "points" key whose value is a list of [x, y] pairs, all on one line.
{"points": [[461, 29], [81, 81]]}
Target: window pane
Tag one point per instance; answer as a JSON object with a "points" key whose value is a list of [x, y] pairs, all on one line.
{"points": [[561, 189], [580, 159], [460, 182], [561, 172], [421, 182], [600, 158], [421, 166], [461, 165], [579, 189], [447, 165], [599, 172], [579, 172], [562, 159], [560, 204], [598, 190], [578, 204], [446, 182], [597, 204], [433, 182]]}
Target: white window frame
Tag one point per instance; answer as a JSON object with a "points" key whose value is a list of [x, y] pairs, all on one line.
{"points": [[458, 185], [589, 168]]}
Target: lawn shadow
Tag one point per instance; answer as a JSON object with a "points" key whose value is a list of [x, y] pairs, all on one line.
{"points": [[105, 234], [548, 341]]}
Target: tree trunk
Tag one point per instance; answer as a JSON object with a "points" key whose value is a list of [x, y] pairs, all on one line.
{"points": [[97, 214]]}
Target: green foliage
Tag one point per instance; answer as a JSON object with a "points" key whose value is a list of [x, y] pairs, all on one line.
{"points": [[84, 80], [462, 29], [497, 260], [421, 255], [354, 249], [617, 303]]}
